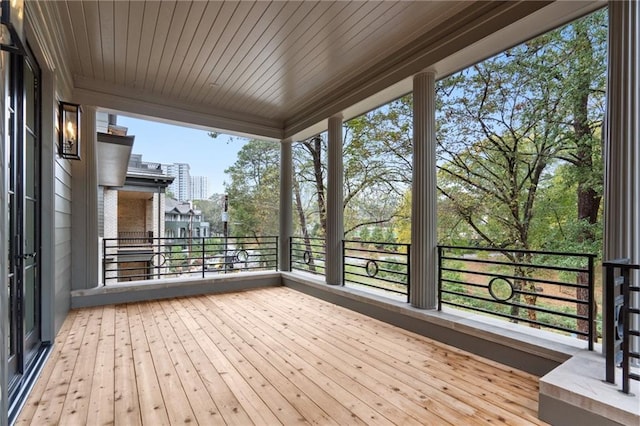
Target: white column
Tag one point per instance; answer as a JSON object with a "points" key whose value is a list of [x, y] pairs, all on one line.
{"points": [[423, 293], [84, 207], [335, 200], [622, 136], [286, 204]]}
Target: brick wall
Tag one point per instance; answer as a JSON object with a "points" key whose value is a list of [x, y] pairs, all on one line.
{"points": [[132, 215]]}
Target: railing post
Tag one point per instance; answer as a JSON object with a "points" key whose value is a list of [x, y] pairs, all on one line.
{"points": [[277, 253], [591, 306], [439, 278], [609, 327], [104, 261], [626, 293], [203, 264], [160, 248], [344, 274], [290, 253], [408, 273]]}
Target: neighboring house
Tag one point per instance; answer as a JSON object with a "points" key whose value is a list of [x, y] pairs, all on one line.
{"points": [[181, 220], [130, 212]]}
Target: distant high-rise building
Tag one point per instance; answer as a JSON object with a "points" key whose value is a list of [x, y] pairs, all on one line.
{"points": [[184, 187], [199, 187], [181, 186]]}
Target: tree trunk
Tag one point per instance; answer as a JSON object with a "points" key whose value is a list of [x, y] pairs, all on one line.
{"points": [[588, 199], [314, 146], [522, 284], [303, 224]]}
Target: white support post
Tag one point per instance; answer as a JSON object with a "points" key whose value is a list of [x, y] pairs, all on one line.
{"points": [[423, 292], [286, 204], [84, 207], [335, 200], [622, 137]]}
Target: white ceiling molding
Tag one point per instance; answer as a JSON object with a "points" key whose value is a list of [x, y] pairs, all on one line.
{"points": [[145, 106]]}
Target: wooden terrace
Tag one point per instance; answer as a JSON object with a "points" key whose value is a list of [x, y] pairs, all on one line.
{"points": [[267, 356]]}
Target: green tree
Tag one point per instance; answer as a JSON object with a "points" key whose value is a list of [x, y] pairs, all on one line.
{"points": [[254, 190], [505, 126], [377, 168], [584, 72], [212, 212], [497, 140]]}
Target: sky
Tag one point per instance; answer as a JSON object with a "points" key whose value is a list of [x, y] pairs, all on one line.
{"points": [[166, 143]]}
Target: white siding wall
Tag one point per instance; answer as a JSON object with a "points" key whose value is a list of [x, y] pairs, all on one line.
{"points": [[62, 250]]}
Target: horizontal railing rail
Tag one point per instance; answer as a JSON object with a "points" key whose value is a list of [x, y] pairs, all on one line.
{"points": [[622, 307], [384, 266], [307, 254], [544, 289], [158, 258]]}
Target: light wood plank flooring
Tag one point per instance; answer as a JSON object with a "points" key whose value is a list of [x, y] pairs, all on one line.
{"points": [[266, 357]]}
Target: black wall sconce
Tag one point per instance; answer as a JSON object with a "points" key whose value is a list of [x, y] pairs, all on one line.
{"points": [[12, 36], [69, 130]]}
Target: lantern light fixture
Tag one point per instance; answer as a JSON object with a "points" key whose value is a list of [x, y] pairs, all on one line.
{"points": [[69, 131], [12, 34]]}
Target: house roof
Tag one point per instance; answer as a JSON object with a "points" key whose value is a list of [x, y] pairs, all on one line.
{"points": [[174, 206], [275, 69]]}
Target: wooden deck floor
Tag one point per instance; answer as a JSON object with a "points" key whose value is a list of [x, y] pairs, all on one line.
{"points": [[266, 357]]}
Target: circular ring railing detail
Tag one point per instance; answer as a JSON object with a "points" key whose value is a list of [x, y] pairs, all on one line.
{"points": [[158, 256], [372, 268], [499, 291], [242, 256]]}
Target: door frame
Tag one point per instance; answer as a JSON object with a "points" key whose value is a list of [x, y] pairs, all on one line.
{"points": [[29, 352]]}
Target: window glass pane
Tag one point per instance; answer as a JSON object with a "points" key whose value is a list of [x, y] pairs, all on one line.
{"points": [[31, 165], [30, 230], [30, 101], [30, 299], [11, 337]]}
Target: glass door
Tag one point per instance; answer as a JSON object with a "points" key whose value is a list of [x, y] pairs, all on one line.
{"points": [[23, 292]]}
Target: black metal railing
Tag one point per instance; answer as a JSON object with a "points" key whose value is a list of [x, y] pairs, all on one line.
{"points": [[384, 266], [157, 258], [622, 315], [307, 254], [547, 290]]}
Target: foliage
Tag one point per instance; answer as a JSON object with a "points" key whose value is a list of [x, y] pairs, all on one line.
{"points": [[212, 212], [254, 190], [508, 124], [371, 190]]}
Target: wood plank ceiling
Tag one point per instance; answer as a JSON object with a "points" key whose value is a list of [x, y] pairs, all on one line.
{"points": [[257, 63]]}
